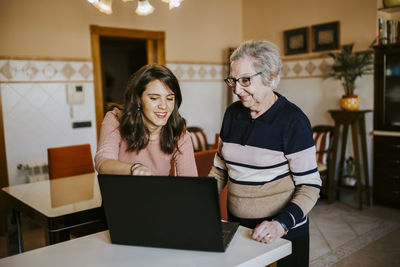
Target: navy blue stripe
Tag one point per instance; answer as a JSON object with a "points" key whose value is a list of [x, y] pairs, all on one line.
{"points": [[219, 155], [256, 167], [312, 185], [305, 173], [286, 214], [258, 183], [220, 169]]}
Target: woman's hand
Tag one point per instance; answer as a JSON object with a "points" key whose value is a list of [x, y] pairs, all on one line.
{"points": [[268, 231], [141, 170]]}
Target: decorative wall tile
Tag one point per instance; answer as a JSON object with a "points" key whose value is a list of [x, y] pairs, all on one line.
{"points": [[306, 68], [198, 72], [40, 70]]}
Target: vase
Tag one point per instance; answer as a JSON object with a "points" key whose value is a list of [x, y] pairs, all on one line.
{"points": [[350, 102], [391, 3]]}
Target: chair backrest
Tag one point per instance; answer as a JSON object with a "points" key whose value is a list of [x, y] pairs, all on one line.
{"points": [[69, 160], [199, 138], [323, 138], [215, 145], [204, 161]]}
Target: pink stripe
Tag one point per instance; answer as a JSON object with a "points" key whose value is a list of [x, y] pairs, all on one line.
{"points": [[302, 161], [249, 155]]}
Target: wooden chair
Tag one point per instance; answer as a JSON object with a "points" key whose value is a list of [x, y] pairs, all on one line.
{"points": [[323, 139], [204, 162], [69, 161], [199, 138], [215, 145]]}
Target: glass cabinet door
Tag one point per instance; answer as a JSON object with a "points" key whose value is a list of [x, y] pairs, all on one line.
{"points": [[387, 88], [391, 97]]}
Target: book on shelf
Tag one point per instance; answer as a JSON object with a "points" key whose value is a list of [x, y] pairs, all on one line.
{"points": [[388, 31]]}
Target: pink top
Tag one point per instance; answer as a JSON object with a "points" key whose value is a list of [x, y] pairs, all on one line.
{"points": [[112, 146]]}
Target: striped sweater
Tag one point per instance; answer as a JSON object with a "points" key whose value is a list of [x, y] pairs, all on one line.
{"points": [[269, 163]]}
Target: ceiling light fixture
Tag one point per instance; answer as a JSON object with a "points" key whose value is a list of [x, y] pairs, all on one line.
{"points": [[144, 7], [173, 3]]}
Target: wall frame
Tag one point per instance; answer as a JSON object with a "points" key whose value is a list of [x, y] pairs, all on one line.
{"points": [[325, 36], [296, 41]]}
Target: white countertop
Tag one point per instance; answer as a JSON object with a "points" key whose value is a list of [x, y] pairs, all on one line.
{"points": [[97, 250]]}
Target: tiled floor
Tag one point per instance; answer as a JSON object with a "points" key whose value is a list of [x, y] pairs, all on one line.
{"points": [[341, 235]]}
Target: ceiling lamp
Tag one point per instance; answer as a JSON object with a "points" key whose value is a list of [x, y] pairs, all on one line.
{"points": [[173, 3], [144, 8], [102, 5]]}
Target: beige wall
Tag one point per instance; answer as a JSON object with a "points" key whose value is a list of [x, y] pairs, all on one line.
{"points": [[267, 19], [199, 30]]}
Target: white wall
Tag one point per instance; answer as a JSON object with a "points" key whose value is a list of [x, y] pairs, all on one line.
{"points": [[204, 95], [35, 111], [316, 96]]}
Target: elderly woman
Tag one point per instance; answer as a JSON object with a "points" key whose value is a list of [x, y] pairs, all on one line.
{"points": [[266, 154]]}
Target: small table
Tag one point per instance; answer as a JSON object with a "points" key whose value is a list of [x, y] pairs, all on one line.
{"points": [[58, 205], [97, 250], [356, 120]]}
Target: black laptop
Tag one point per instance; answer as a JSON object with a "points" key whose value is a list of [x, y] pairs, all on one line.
{"points": [[165, 211]]}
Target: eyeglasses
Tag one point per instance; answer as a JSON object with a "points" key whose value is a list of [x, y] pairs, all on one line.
{"points": [[243, 81]]}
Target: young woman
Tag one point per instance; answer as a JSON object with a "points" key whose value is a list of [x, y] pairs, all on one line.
{"points": [[149, 132]]}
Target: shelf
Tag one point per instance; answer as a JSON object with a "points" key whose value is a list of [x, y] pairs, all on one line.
{"points": [[390, 9]]}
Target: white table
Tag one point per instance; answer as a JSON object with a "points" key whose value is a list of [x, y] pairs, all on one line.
{"points": [[58, 205], [97, 250]]}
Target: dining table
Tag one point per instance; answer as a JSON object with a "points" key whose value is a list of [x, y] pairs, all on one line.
{"points": [[59, 205]]}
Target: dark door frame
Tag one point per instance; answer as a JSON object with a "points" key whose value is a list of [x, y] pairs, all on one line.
{"points": [[155, 54]]}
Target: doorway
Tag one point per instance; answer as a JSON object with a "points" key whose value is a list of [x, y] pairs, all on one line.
{"points": [[117, 53]]}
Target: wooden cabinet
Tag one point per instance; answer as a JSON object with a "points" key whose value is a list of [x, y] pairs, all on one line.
{"points": [[386, 153], [387, 170], [387, 88]]}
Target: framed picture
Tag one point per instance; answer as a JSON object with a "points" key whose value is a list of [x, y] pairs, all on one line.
{"points": [[296, 41], [325, 36]]}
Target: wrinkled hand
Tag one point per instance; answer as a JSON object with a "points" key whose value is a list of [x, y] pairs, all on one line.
{"points": [[142, 170], [267, 232]]}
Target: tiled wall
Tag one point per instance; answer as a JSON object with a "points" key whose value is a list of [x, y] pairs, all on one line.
{"points": [[36, 115], [306, 68], [35, 111]]}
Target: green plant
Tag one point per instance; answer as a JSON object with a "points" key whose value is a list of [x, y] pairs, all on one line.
{"points": [[348, 66]]}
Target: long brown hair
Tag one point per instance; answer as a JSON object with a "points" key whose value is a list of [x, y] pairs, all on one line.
{"points": [[132, 127]]}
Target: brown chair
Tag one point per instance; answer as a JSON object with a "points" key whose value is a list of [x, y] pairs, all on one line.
{"points": [[223, 195], [323, 139], [69, 161], [204, 162], [215, 145], [199, 138]]}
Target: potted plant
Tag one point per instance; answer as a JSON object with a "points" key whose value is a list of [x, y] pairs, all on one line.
{"points": [[347, 67]]}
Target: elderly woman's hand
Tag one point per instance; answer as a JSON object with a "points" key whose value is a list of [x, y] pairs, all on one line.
{"points": [[268, 231]]}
